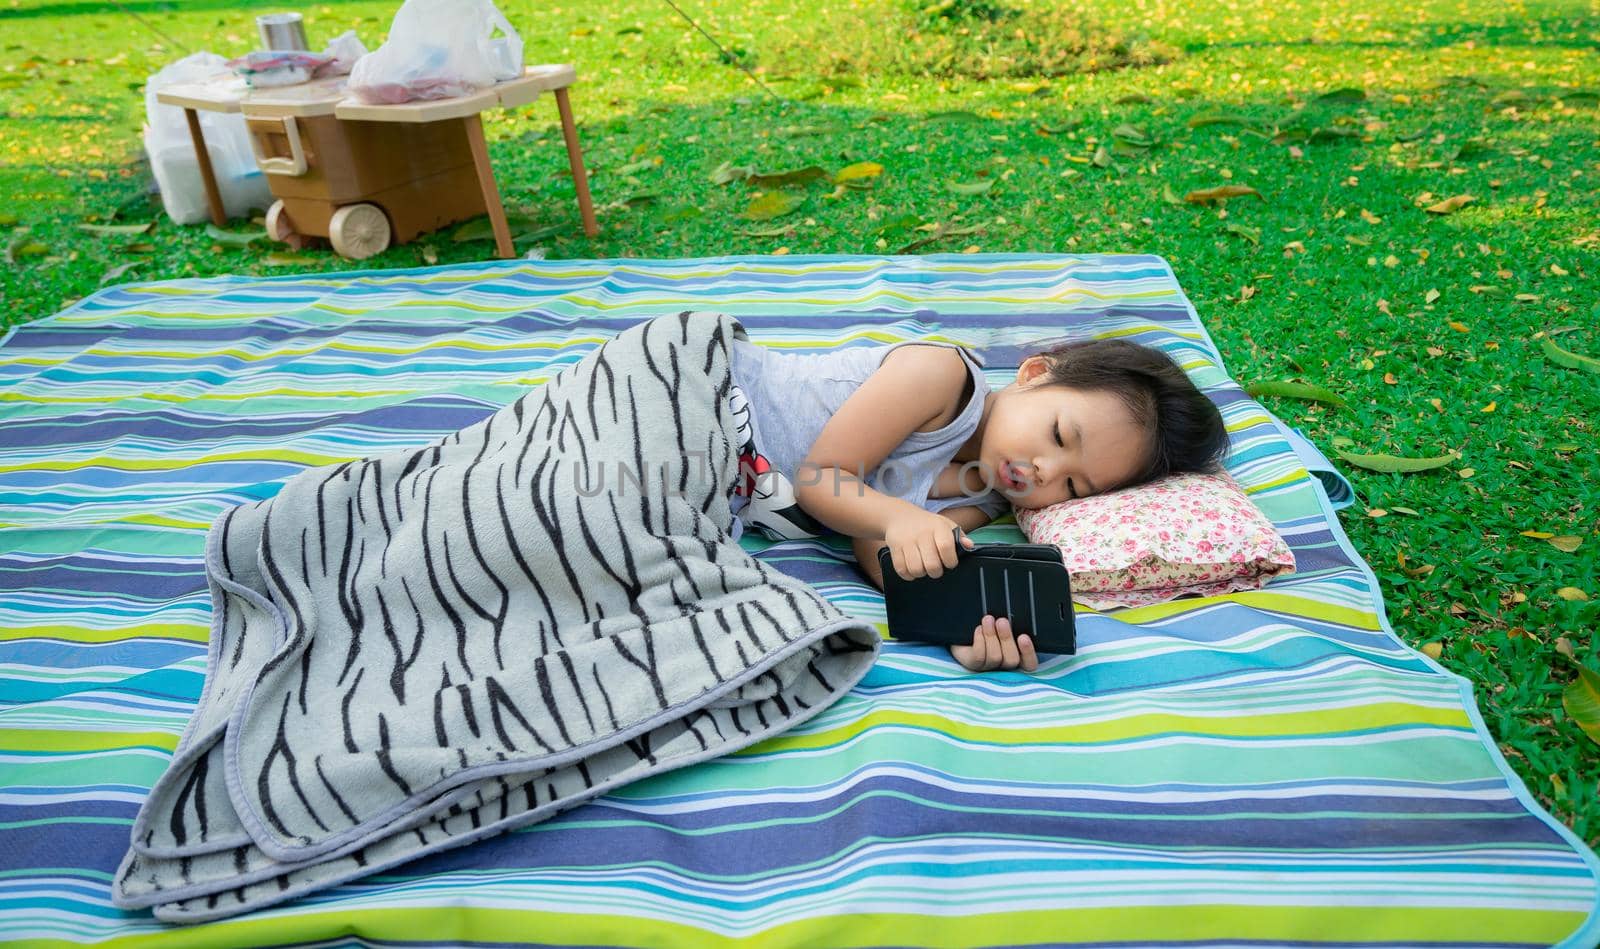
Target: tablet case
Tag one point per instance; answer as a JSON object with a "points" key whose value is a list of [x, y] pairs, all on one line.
{"points": [[1026, 582]]}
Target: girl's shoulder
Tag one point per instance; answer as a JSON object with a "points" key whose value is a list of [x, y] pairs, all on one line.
{"points": [[937, 371]]}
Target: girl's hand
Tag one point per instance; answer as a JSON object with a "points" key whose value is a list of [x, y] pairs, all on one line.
{"points": [[922, 543], [993, 648]]}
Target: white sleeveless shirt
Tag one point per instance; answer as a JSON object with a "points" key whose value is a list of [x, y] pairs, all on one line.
{"points": [[792, 396]]}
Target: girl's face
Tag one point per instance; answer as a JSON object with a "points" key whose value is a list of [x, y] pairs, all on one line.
{"points": [[1045, 444]]}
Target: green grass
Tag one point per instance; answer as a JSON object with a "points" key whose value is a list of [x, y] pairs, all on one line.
{"points": [[1336, 276]]}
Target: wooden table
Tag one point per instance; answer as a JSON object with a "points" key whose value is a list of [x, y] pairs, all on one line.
{"points": [[331, 97]]}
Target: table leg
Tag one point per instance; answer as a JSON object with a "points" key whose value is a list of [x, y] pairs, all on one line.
{"points": [[491, 191], [580, 180], [213, 197]]}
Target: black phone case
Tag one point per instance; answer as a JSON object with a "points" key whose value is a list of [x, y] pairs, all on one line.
{"points": [[1026, 582]]}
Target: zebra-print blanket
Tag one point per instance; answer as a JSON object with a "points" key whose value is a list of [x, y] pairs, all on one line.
{"points": [[417, 650]]}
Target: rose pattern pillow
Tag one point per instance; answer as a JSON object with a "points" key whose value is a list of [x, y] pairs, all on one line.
{"points": [[1184, 535]]}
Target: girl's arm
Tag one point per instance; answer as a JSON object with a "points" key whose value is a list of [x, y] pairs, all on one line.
{"points": [[967, 518], [910, 388]]}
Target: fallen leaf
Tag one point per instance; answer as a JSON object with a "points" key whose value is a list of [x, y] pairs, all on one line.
{"points": [[1564, 647], [20, 247], [1251, 234], [1538, 535], [279, 259], [903, 221], [121, 229], [1295, 390], [1376, 512], [1389, 378], [1566, 542], [770, 204], [1430, 296], [1570, 360], [118, 271], [1433, 650], [780, 178], [1459, 326], [728, 171], [981, 186], [1133, 136], [1572, 593], [1449, 205], [234, 238], [1581, 699], [1214, 117], [861, 171], [646, 164], [1490, 407], [1467, 472], [1369, 217], [1220, 193], [1394, 463]]}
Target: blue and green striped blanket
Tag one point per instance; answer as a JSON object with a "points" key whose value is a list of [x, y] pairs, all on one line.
{"points": [[1263, 768]]}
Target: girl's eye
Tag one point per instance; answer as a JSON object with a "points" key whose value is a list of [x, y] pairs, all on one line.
{"points": [[1071, 491], [1057, 430]]}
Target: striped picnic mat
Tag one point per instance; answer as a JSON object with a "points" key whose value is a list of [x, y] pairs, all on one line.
{"points": [[1263, 768]]}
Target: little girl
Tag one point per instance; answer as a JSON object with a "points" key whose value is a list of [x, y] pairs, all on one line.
{"points": [[898, 445]]}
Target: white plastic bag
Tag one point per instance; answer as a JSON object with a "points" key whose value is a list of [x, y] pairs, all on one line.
{"points": [[346, 49], [439, 49], [172, 158]]}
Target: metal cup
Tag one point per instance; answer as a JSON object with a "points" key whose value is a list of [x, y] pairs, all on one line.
{"points": [[282, 31]]}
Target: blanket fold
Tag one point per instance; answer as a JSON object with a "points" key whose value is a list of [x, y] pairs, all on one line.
{"points": [[419, 649]]}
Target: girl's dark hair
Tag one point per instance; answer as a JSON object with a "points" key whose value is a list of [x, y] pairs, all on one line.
{"points": [[1185, 427]]}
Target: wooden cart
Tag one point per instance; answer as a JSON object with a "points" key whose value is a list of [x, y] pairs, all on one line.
{"points": [[365, 176]]}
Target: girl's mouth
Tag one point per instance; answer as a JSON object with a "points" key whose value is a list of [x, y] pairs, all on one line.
{"points": [[1009, 477]]}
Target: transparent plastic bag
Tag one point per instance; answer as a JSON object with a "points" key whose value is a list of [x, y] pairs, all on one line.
{"points": [[439, 49], [240, 183], [346, 50]]}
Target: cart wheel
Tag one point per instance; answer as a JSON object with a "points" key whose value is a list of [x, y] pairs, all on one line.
{"points": [[359, 230], [281, 229]]}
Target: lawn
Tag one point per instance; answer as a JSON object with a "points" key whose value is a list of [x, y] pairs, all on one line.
{"points": [[1050, 128]]}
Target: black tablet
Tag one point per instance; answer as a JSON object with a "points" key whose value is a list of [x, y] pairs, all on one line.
{"points": [[1028, 583]]}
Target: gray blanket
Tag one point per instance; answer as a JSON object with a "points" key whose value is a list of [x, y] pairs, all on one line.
{"points": [[424, 648]]}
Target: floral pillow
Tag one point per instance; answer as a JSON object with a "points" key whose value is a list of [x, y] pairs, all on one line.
{"points": [[1189, 534]]}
